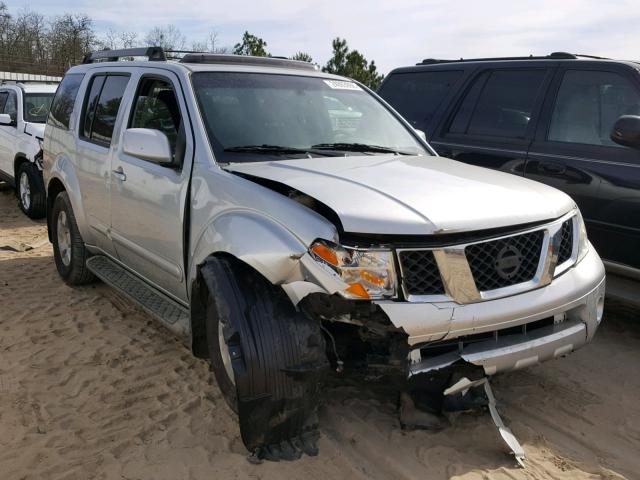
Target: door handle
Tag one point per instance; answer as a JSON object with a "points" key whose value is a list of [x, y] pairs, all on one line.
{"points": [[119, 174], [552, 167]]}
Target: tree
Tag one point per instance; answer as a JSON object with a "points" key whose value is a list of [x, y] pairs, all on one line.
{"points": [[113, 40], [302, 57], [210, 45], [251, 45], [352, 64], [169, 37]]}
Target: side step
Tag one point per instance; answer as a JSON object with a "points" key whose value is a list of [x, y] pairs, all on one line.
{"points": [[168, 312]]}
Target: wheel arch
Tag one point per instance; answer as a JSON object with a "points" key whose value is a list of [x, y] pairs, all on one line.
{"points": [[54, 189]]}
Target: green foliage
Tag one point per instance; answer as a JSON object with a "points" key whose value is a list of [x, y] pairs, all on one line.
{"points": [[351, 63], [302, 57], [251, 45]]}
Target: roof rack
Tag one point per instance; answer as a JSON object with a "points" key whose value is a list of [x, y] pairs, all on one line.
{"points": [[152, 53], [216, 58], [552, 56]]}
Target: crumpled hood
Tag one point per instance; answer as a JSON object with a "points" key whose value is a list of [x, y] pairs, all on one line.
{"points": [[411, 195], [35, 129]]}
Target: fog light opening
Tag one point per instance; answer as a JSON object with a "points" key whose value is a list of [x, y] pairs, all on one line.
{"points": [[600, 308]]}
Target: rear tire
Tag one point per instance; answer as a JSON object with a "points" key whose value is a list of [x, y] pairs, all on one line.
{"points": [[277, 357], [30, 190], [69, 251]]}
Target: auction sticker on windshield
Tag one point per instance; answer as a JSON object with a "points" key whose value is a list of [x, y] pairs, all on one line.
{"points": [[340, 85]]}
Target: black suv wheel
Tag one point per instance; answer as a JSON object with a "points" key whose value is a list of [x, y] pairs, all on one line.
{"points": [[267, 358]]}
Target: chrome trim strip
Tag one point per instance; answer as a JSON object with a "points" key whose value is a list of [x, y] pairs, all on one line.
{"points": [[476, 147], [582, 159]]}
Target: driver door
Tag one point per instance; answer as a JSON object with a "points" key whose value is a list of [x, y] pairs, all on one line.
{"points": [[148, 200]]}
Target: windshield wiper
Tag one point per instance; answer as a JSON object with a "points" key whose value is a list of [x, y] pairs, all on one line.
{"points": [[357, 147], [277, 149]]}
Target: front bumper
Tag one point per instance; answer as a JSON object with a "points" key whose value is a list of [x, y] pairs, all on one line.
{"points": [[574, 299]]}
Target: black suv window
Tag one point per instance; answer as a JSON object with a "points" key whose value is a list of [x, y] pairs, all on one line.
{"points": [[499, 104], [588, 104], [156, 107], [63, 102], [3, 100], [101, 109], [417, 95]]}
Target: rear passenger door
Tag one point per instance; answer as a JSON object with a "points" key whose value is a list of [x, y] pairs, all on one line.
{"points": [[148, 200], [493, 121], [95, 150], [8, 133], [573, 152]]}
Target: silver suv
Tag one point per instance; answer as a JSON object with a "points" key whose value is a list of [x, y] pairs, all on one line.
{"points": [[285, 222]]}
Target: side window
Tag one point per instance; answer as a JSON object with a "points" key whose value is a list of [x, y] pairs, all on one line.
{"points": [[62, 106], [588, 104], [417, 95], [100, 115], [11, 106], [3, 100], [156, 107], [499, 104]]}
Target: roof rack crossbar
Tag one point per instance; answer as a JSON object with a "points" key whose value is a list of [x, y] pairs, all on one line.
{"points": [[216, 58], [152, 53], [552, 56]]}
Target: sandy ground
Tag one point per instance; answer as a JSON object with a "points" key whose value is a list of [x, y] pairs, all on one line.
{"points": [[90, 387]]}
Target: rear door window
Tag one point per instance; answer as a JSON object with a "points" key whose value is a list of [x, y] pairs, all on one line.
{"points": [[417, 95], [62, 106], [100, 116], [3, 100], [588, 104], [500, 103]]}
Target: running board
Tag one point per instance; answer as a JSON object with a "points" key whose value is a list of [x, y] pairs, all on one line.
{"points": [[167, 311]]}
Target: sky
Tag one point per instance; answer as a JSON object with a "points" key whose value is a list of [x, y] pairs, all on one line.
{"points": [[393, 33]]}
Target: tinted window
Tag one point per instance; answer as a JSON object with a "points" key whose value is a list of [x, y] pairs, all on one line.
{"points": [[3, 100], [156, 107], [11, 106], [588, 104], [499, 104], [36, 107], [107, 108], [90, 105], [417, 95], [64, 99]]}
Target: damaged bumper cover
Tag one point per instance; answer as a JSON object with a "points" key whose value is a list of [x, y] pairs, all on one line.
{"points": [[574, 301]]}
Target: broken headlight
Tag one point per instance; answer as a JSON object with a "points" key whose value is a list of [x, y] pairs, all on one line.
{"points": [[583, 241], [369, 273]]}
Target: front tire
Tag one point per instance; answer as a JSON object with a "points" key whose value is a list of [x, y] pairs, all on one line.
{"points": [[69, 251], [30, 190], [267, 358]]}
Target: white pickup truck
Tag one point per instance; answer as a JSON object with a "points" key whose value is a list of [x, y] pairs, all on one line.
{"points": [[23, 112]]}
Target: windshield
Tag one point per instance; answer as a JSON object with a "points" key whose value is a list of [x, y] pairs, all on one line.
{"points": [[252, 117], [36, 107]]}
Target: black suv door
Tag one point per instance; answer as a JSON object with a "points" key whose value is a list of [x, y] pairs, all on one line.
{"points": [[493, 121], [573, 152]]}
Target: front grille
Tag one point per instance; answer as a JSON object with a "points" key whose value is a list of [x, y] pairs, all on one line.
{"points": [[420, 272], [566, 242], [505, 262]]}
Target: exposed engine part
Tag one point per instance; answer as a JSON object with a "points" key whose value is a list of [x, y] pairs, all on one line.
{"points": [[339, 362]]}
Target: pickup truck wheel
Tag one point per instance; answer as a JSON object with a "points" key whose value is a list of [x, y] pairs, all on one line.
{"points": [[69, 251], [30, 191], [268, 360]]}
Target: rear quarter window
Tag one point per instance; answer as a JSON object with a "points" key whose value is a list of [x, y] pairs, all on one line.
{"points": [[63, 102], [417, 95]]}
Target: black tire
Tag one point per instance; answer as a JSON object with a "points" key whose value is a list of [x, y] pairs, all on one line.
{"points": [[73, 269], [33, 201], [277, 356]]}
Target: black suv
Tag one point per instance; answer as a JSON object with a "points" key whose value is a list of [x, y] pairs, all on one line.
{"points": [[555, 119]]}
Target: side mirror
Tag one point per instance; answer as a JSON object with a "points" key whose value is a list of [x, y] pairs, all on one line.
{"points": [[626, 131], [148, 144], [5, 119], [421, 134]]}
